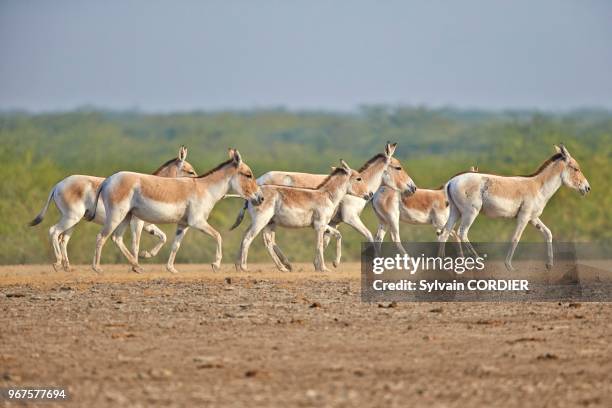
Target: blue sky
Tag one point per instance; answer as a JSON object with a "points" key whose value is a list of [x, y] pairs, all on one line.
{"points": [[337, 55]]}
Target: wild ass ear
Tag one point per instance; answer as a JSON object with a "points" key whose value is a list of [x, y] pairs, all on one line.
{"points": [[390, 149], [565, 152], [236, 157], [182, 155], [561, 149], [333, 168], [345, 166], [230, 152], [474, 169]]}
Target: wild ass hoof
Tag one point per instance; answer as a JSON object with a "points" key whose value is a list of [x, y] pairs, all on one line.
{"points": [[216, 267], [57, 266], [97, 269], [509, 266], [145, 254], [549, 265], [137, 269], [68, 268], [171, 269], [286, 266], [336, 263]]}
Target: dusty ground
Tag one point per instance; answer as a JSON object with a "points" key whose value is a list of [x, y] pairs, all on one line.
{"points": [[295, 339]]}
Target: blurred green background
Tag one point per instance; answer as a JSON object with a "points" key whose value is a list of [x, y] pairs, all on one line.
{"points": [[39, 150]]}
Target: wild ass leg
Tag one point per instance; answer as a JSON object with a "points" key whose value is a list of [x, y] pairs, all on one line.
{"points": [[521, 223], [458, 240], [268, 238], [328, 235], [277, 251], [117, 238], [393, 228], [438, 223], [333, 231], [319, 262], [381, 232], [467, 219], [536, 222], [453, 216], [154, 230], [258, 222], [55, 233], [64, 247], [136, 226], [466, 222], [110, 225], [207, 229], [355, 222], [181, 230]]}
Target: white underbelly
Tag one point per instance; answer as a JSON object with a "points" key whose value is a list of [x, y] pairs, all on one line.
{"points": [[159, 212], [500, 207], [413, 216], [293, 217]]}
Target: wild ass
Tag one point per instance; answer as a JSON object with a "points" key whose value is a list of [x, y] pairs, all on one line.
{"points": [[520, 197], [351, 206], [424, 206], [75, 195], [186, 202], [293, 207]]}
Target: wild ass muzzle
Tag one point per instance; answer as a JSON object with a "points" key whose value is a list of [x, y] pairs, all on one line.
{"points": [[351, 207], [75, 198], [186, 202], [520, 197], [424, 206], [293, 207]]}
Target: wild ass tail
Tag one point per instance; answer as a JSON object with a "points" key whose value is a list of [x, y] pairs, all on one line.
{"points": [[89, 213], [240, 215], [42, 212]]}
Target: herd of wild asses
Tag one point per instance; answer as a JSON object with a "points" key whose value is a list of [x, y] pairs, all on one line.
{"points": [[175, 194]]}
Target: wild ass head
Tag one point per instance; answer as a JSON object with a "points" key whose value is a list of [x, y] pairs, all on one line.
{"points": [[571, 175], [356, 185], [397, 178], [372, 171], [242, 181], [177, 167]]}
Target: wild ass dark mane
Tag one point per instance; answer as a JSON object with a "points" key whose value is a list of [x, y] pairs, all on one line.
{"points": [[554, 158], [326, 180], [156, 172], [216, 169], [367, 164]]}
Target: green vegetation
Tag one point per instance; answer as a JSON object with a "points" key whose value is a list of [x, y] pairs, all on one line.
{"points": [[36, 151]]}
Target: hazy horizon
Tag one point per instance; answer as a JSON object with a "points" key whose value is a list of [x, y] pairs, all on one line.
{"points": [[309, 56]]}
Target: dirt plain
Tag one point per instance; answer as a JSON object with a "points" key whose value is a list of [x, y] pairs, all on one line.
{"points": [[267, 338]]}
